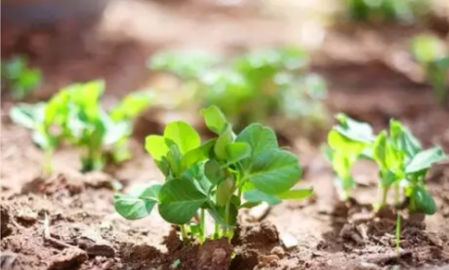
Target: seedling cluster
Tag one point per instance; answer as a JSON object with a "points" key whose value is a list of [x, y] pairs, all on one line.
{"points": [[402, 162], [74, 115], [404, 11], [432, 55], [19, 78], [219, 176], [275, 80]]}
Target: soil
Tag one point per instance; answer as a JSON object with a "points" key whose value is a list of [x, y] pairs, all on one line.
{"points": [[66, 220]]}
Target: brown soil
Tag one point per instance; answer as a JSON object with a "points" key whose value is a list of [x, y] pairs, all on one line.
{"points": [[67, 220]]}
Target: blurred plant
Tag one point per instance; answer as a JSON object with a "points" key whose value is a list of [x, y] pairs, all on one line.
{"points": [[405, 11], [74, 115], [348, 142], [213, 176], [433, 56], [252, 87], [19, 78]]}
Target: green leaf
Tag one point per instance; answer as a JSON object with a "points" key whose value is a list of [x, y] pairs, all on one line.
{"points": [[156, 146], [275, 171], [133, 207], [57, 108], [25, 115], [257, 196], [180, 200], [385, 155], [404, 139], [214, 172], [354, 130], [295, 194], [183, 134], [237, 151], [425, 159], [197, 155], [131, 106], [339, 142], [225, 138], [259, 138], [224, 191], [215, 119], [422, 201]]}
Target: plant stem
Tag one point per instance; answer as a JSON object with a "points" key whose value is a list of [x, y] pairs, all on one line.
{"points": [[203, 225], [383, 202], [183, 233], [225, 230], [48, 167], [217, 230]]}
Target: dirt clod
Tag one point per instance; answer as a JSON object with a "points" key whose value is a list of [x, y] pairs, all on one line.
{"points": [[67, 259], [214, 255], [95, 245]]}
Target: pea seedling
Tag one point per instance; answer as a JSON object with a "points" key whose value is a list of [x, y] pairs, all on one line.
{"points": [[221, 176], [267, 79], [404, 11], [74, 115], [433, 56], [347, 141], [19, 78]]}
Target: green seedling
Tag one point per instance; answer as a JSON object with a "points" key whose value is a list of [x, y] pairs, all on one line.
{"points": [[403, 164], [274, 81], [219, 176], [74, 115], [19, 78], [348, 142], [404, 11], [433, 56]]}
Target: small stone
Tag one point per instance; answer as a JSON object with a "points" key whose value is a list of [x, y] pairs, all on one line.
{"points": [[27, 216], [367, 266], [95, 245], [288, 241], [69, 258], [7, 259], [258, 212], [362, 229]]}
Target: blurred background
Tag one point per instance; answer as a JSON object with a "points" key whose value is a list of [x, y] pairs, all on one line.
{"points": [[290, 63]]}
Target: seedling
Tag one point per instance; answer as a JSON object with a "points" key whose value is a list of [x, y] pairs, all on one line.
{"points": [[19, 78], [404, 165], [433, 56], [74, 115], [348, 142], [404, 11], [274, 80], [220, 176]]}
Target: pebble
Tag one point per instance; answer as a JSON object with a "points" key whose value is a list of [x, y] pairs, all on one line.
{"points": [[258, 212], [288, 240]]}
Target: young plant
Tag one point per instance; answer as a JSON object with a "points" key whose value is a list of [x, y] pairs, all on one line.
{"points": [[74, 115], [433, 56], [220, 176], [404, 164], [404, 11], [348, 142], [274, 80], [19, 78]]}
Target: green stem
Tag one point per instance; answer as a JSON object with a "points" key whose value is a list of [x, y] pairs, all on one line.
{"points": [[48, 167], [217, 230], [383, 202], [184, 233], [203, 225], [227, 207]]}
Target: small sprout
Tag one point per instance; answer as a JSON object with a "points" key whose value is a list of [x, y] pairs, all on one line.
{"points": [[219, 176], [348, 142], [74, 115], [433, 56], [19, 78]]}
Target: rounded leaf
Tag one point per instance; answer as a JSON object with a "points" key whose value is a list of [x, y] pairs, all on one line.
{"points": [[183, 135]]}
